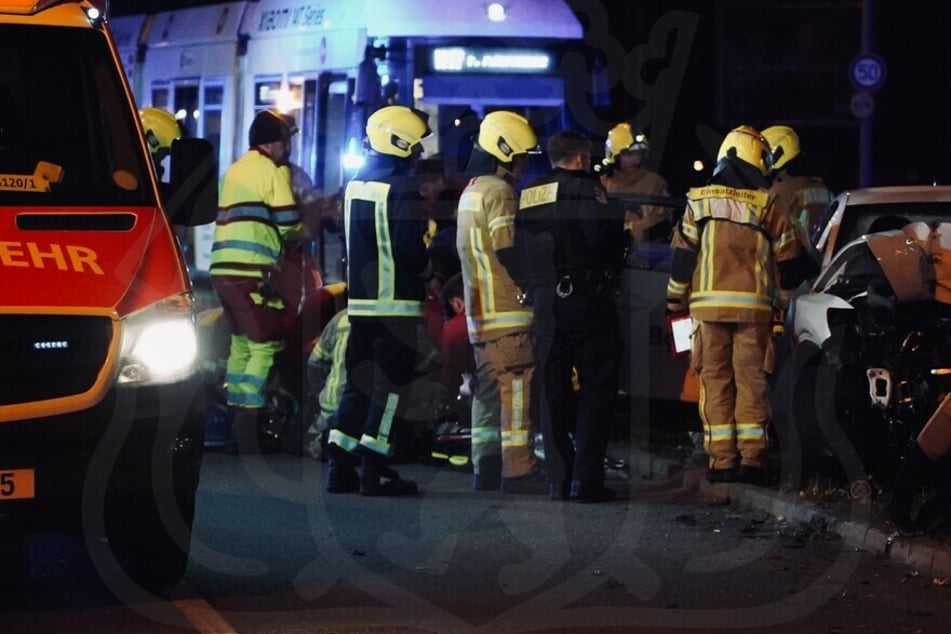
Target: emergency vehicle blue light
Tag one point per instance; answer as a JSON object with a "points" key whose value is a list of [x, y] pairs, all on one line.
{"points": [[352, 161]]}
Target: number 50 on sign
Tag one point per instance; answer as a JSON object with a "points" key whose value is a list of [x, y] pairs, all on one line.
{"points": [[867, 72]]}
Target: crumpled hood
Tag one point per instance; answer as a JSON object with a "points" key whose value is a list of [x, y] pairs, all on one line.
{"points": [[108, 260]]}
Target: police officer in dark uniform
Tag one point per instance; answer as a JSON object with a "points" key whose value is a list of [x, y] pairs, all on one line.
{"points": [[387, 263], [573, 243]]}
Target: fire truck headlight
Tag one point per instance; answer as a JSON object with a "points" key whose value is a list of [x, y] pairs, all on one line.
{"points": [[95, 15], [159, 345]]}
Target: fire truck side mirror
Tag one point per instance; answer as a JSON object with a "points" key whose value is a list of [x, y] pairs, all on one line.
{"points": [[191, 197]]}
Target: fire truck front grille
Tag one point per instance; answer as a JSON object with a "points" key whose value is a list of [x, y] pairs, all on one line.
{"points": [[50, 356]]}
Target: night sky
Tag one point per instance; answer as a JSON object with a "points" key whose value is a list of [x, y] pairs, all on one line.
{"points": [[688, 100]]}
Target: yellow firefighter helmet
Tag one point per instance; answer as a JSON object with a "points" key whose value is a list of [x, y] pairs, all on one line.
{"points": [[748, 145], [505, 134], [160, 128], [622, 138], [783, 144], [397, 130]]}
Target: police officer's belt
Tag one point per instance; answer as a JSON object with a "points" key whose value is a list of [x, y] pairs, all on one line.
{"points": [[570, 281]]}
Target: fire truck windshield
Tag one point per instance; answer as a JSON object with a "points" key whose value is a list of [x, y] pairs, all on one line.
{"points": [[67, 134]]}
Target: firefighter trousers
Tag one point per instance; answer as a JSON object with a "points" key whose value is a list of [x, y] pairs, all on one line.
{"points": [[380, 361], [501, 422], [257, 335], [733, 361]]}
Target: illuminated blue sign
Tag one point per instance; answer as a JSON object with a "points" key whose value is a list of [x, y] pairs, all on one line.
{"points": [[459, 59]]}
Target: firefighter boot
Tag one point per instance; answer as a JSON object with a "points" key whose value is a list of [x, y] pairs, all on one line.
{"points": [[244, 433], [914, 473], [489, 475], [378, 479], [341, 471], [748, 474], [533, 483]]}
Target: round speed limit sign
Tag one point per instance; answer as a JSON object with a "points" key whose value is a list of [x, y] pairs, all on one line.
{"points": [[867, 72]]}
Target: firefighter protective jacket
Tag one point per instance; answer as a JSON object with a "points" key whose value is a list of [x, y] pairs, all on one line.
{"points": [[642, 181], [257, 215], [385, 222], [486, 224], [727, 250], [328, 361], [805, 197], [587, 234]]}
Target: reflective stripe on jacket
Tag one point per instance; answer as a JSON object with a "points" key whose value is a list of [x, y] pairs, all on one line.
{"points": [[331, 352], [736, 237], [386, 256], [486, 224], [256, 216]]}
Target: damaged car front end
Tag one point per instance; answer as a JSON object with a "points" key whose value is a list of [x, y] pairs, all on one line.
{"points": [[872, 355]]}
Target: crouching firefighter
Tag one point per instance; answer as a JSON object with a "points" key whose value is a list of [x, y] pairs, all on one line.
{"points": [[386, 268]]}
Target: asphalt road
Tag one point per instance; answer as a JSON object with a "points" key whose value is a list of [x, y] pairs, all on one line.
{"points": [[273, 553]]}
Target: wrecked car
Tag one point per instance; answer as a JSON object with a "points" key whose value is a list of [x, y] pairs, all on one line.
{"points": [[871, 337]]}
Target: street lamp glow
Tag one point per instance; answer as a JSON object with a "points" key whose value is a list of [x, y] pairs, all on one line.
{"points": [[495, 12]]}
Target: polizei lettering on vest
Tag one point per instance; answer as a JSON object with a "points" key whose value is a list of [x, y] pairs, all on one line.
{"points": [[62, 257], [539, 195]]}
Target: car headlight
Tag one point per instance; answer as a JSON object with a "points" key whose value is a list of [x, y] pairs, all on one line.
{"points": [[159, 344]]}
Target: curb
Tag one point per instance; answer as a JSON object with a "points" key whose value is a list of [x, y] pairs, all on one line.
{"points": [[927, 555]]}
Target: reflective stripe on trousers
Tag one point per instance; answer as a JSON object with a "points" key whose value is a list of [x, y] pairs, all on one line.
{"points": [[380, 358], [734, 404], [249, 364], [504, 369]]}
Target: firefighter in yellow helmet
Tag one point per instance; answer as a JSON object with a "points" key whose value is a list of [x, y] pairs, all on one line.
{"points": [[258, 220], [625, 153], [804, 195], [386, 267], [161, 129], [732, 241], [500, 326]]}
